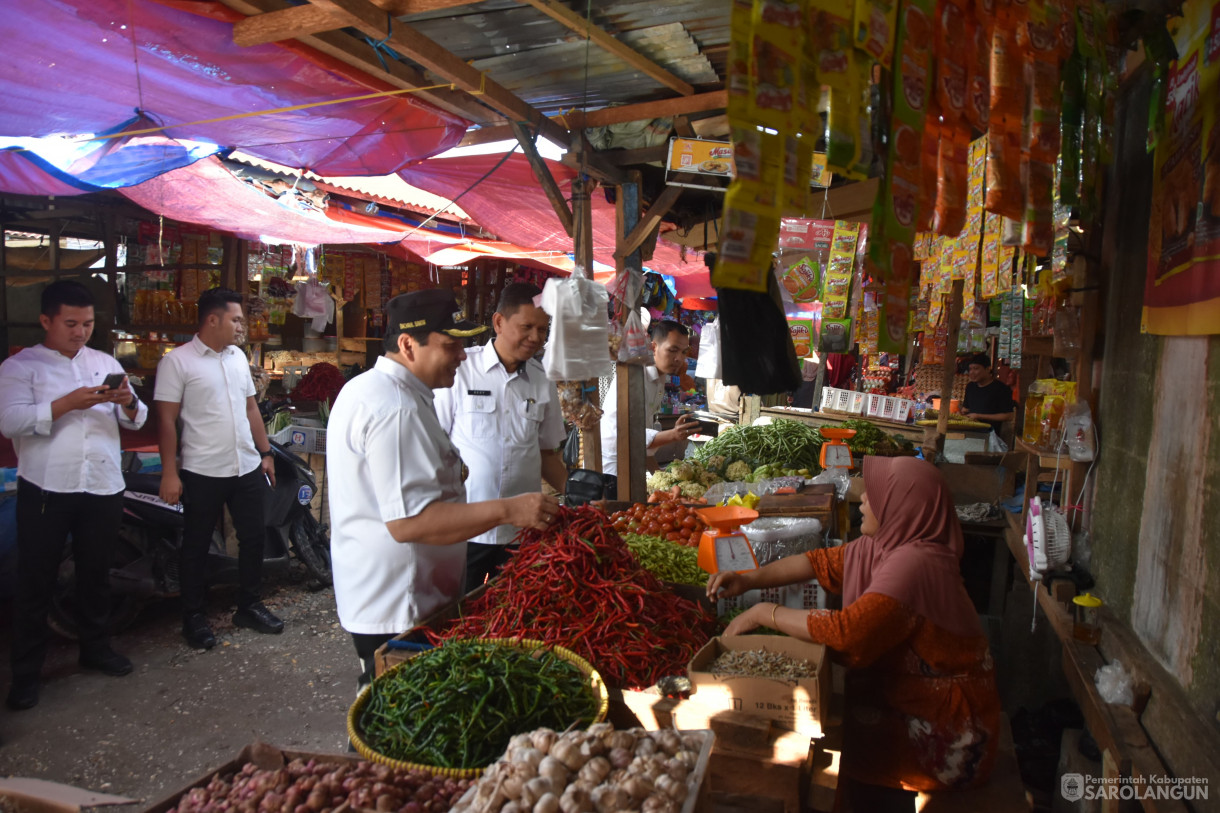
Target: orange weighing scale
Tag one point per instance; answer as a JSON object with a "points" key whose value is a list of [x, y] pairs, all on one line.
{"points": [[723, 546], [835, 452]]}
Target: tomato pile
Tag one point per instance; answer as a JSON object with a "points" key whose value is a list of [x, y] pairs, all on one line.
{"points": [[669, 519]]}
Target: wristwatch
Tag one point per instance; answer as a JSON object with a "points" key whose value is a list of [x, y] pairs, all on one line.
{"points": [[135, 402], [268, 453]]}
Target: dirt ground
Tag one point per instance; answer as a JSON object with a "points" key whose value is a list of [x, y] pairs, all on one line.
{"points": [[182, 712]]}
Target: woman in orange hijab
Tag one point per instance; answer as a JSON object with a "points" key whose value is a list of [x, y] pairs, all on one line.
{"points": [[922, 711]]}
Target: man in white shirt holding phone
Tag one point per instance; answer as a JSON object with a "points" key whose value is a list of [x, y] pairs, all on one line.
{"points": [[62, 403]]}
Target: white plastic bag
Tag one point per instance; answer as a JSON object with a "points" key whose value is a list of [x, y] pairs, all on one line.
{"points": [[708, 365], [1078, 432], [578, 348], [1114, 684], [634, 348]]}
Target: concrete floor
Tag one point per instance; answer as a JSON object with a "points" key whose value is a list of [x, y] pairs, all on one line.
{"points": [[182, 712]]}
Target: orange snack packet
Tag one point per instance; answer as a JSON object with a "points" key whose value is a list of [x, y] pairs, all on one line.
{"points": [[953, 181], [1004, 187]]}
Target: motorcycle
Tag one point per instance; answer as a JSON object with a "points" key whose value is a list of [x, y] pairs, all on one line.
{"points": [[145, 562]]}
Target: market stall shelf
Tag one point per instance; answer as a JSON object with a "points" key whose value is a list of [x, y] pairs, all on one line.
{"points": [[906, 430]]}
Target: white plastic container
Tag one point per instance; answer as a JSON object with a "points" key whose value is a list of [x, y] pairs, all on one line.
{"points": [[875, 405], [902, 410], [857, 403], [889, 407], [828, 398], [843, 400]]}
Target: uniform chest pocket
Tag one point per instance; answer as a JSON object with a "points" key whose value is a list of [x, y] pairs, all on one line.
{"points": [[479, 415], [529, 411]]}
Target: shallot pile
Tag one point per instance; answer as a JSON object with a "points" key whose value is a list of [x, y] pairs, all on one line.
{"points": [[317, 787], [595, 771]]}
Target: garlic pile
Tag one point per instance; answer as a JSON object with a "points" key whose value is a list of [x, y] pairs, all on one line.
{"points": [[595, 771]]}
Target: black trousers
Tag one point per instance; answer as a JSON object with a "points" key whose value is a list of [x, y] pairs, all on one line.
{"points": [[484, 562], [202, 500], [44, 521], [367, 645]]}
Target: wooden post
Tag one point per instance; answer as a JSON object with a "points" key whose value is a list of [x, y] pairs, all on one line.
{"points": [[950, 364], [632, 448], [582, 248]]}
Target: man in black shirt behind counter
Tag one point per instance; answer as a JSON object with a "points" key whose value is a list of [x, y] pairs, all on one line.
{"points": [[987, 399]]}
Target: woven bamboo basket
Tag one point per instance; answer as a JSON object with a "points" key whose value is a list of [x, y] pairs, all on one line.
{"points": [[357, 710]]}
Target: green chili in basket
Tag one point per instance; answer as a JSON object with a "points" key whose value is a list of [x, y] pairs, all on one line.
{"points": [[458, 705]]}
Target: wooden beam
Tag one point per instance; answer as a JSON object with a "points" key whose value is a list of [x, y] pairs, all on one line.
{"points": [[543, 173], [358, 54], [364, 16], [582, 158], [487, 135], [641, 155], [604, 40], [301, 21], [715, 100], [682, 127], [640, 231]]}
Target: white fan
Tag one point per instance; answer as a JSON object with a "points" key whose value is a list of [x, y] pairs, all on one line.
{"points": [[1048, 541]]}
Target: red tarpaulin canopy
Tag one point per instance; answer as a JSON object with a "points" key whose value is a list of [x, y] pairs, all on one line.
{"points": [[510, 202], [68, 66]]}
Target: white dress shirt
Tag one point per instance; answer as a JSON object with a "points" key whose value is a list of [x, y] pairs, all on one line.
{"points": [[212, 389], [654, 395], [500, 423], [388, 458], [80, 451]]}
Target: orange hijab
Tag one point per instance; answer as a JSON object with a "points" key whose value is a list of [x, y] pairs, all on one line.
{"points": [[914, 556]]}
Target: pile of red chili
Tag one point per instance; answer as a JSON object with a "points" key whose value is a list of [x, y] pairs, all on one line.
{"points": [[577, 585], [321, 382]]}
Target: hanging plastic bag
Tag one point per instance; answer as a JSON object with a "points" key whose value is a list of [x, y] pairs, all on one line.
{"points": [[577, 349], [708, 365], [634, 347], [757, 348]]}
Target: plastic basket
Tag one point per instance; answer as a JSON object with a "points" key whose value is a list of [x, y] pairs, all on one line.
{"points": [[843, 400], [829, 394], [902, 409], [357, 709], [856, 406], [311, 439], [876, 405]]}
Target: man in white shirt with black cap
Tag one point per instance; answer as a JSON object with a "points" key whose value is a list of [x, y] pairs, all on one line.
{"points": [[399, 516], [226, 461], [62, 403], [503, 415]]}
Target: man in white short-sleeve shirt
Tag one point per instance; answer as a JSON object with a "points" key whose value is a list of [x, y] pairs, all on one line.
{"points": [[399, 517], [503, 415], [226, 461], [64, 418]]}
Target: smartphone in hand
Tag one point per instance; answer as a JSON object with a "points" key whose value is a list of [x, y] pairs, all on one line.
{"points": [[114, 381]]}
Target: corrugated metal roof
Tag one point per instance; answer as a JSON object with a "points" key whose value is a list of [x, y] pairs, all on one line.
{"points": [[555, 69]]}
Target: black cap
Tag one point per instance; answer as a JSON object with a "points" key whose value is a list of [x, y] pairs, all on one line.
{"points": [[433, 310]]}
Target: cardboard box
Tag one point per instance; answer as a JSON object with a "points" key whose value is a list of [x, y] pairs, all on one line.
{"points": [[267, 757], [798, 705]]}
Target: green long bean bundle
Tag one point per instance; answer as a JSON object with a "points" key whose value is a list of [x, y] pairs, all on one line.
{"points": [[458, 705], [790, 443]]}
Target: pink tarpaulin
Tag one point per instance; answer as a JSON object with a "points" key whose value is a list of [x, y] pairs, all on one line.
{"points": [[20, 176], [208, 194], [68, 66], [511, 203]]}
